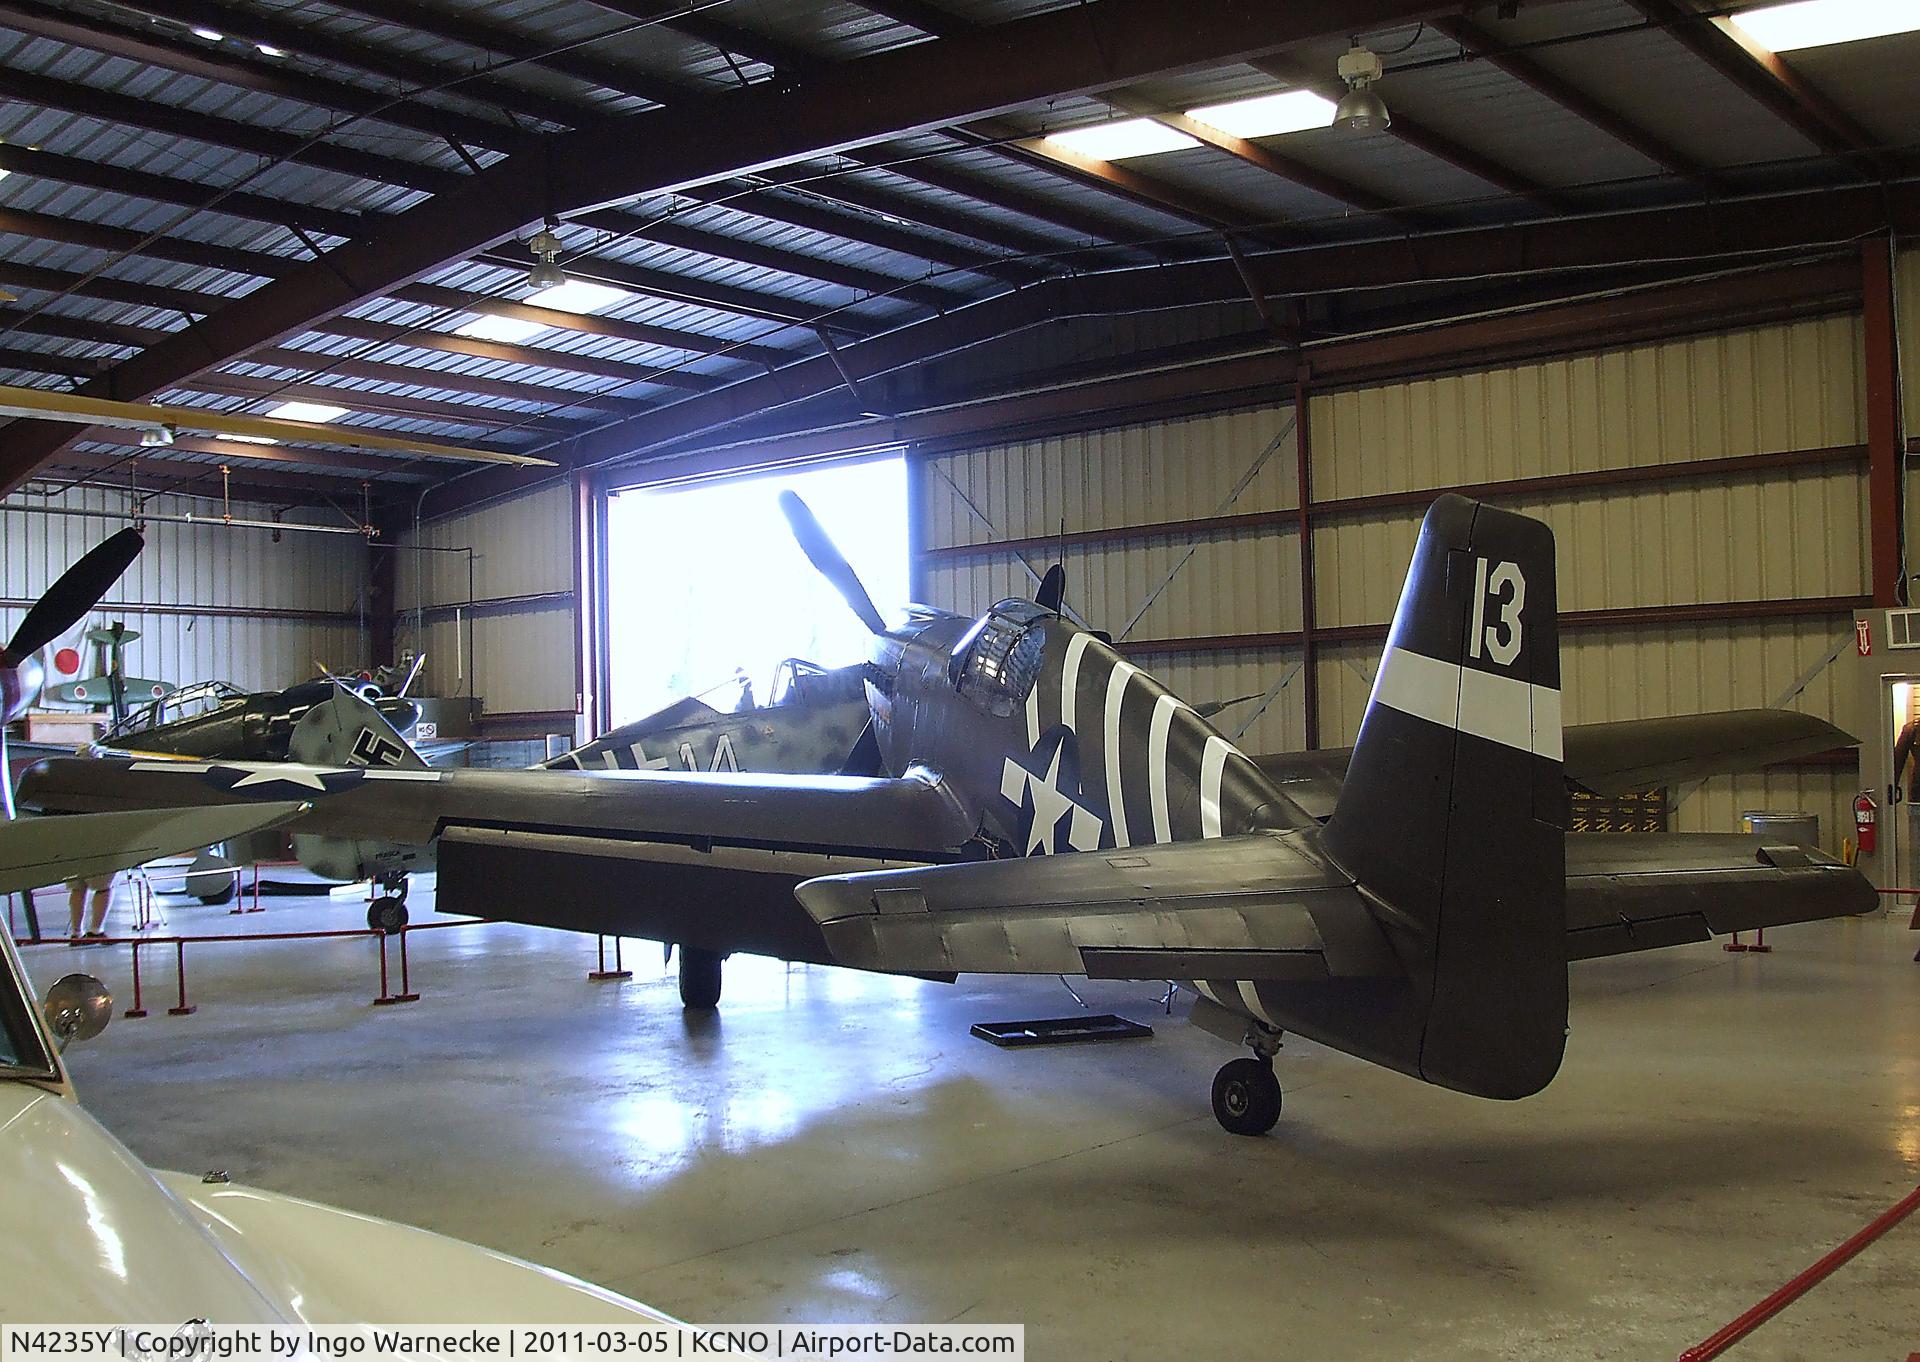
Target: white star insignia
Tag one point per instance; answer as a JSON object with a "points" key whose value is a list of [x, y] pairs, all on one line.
{"points": [[283, 775], [1050, 805]]}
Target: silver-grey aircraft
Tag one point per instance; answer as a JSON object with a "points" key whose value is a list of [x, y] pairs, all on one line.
{"points": [[1047, 807]]}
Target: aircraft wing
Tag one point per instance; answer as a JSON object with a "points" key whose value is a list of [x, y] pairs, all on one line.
{"points": [[708, 860], [1614, 758], [1269, 906], [37, 851]]}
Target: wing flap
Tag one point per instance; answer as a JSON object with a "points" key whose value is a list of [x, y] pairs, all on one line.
{"points": [[1634, 892]]}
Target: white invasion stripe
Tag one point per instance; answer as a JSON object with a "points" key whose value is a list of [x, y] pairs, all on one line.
{"points": [[1070, 677], [185, 767], [1500, 709], [1212, 762], [1163, 709], [403, 775], [1116, 792], [1205, 990], [1251, 997], [1033, 718]]}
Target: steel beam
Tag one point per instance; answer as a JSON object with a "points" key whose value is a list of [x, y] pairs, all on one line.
{"points": [[1529, 72], [1422, 137], [1762, 75], [1726, 230], [265, 75], [143, 184], [108, 106], [1885, 453], [955, 421], [1076, 50], [322, 45]]}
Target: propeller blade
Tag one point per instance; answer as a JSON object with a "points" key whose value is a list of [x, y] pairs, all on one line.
{"points": [[829, 562], [1053, 589], [68, 600]]}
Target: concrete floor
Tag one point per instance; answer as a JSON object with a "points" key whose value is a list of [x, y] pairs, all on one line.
{"points": [[836, 1147]]}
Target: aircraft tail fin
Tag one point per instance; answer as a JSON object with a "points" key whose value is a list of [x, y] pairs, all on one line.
{"points": [[346, 730], [1453, 813]]}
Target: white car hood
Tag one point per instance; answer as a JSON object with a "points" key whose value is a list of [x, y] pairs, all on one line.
{"points": [[88, 1235]]}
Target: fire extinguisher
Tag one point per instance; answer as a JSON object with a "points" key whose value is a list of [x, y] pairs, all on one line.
{"points": [[1865, 819]]}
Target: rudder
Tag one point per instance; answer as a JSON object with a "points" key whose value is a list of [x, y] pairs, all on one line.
{"points": [[1453, 811]]}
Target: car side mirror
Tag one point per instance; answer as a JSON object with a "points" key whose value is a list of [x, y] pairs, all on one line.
{"points": [[77, 1007]]}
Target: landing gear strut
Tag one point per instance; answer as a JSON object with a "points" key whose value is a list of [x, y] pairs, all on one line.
{"points": [[699, 978], [1246, 1095], [388, 912]]}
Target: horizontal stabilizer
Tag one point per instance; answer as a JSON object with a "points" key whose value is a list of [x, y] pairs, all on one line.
{"points": [[1638, 754], [1261, 906], [1637, 892]]}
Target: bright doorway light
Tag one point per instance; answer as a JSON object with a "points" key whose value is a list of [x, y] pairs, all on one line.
{"points": [[704, 580], [507, 330], [307, 411], [1821, 23], [1117, 141], [1267, 115]]}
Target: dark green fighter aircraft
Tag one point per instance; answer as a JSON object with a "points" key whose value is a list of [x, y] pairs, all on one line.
{"points": [[1047, 807]]}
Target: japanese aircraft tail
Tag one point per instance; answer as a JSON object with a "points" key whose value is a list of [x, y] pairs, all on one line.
{"points": [[1452, 818]]}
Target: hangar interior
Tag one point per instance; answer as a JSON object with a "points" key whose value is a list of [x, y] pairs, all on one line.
{"points": [[1618, 265]]}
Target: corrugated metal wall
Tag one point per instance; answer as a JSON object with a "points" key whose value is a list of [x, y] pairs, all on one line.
{"points": [[1785, 534], [518, 659], [209, 567], [1179, 470]]}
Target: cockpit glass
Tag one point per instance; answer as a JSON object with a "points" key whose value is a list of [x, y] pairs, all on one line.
{"points": [[1002, 660], [186, 703]]}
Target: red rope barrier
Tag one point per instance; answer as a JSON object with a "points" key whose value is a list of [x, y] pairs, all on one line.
{"points": [[1739, 1328]]}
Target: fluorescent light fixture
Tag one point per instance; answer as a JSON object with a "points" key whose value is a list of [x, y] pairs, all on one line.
{"points": [[507, 330], [212, 35], [246, 439], [1820, 23], [577, 295], [307, 411], [1267, 115], [269, 50], [1117, 141]]}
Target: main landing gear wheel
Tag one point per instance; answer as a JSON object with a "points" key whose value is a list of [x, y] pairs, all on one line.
{"points": [[699, 978], [1246, 1096], [388, 913]]}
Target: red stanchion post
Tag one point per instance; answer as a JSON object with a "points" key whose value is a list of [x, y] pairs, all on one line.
{"points": [[137, 1010], [405, 995], [603, 973], [183, 1008]]}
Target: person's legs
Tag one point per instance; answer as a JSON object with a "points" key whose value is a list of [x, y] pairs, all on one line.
{"points": [[102, 901], [76, 899]]}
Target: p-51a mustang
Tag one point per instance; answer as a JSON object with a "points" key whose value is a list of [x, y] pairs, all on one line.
{"points": [[1050, 808]]}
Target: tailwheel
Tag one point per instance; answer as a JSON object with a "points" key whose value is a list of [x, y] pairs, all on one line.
{"points": [[1246, 1096], [388, 913], [699, 978]]}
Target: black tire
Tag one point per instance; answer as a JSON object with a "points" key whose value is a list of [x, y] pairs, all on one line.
{"points": [[387, 914], [1246, 1097], [700, 979], [220, 899]]}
